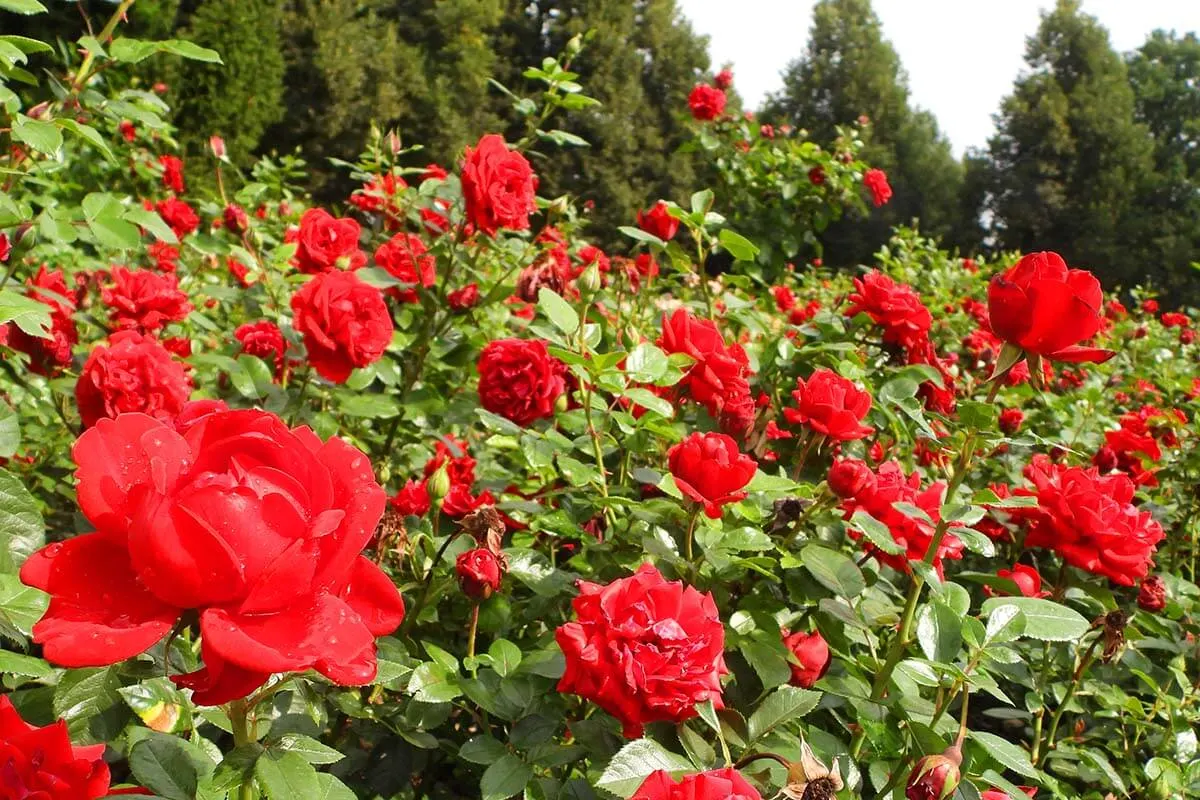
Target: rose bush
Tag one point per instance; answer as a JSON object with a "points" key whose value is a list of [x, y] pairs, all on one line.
{"points": [[443, 492]]}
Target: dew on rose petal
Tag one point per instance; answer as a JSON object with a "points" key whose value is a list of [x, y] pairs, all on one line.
{"points": [[54, 549]]}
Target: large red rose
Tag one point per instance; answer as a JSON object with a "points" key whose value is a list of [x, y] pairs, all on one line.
{"points": [[253, 527], [876, 180], [1046, 309], [498, 186], [132, 373], [717, 784], [644, 649], [706, 102], [893, 306], [830, 405], [1091, 521], [326, 242], [406, 259], [811, 657], [520, 380], [144, 300], [178, 215], [41, 764], [719, 378], [658, 221], [710, 470], [48, 355], [345, 323]]}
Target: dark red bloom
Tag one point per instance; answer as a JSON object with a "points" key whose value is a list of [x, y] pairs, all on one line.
{"points": [[479, 572], [464, 298], [1152, 594], [893, 306], [172, 173], [144, 300], [132, 373], [412, 499], [717, 784], [644, 649], [251, 525], [710, 470], [520, 380], [934, 778], [706, 102], [658, 221], [1027, 579], [1011, 419], [48, 356], [325, 243], [406, 259], [830, 405], [718, 379], [723, 79], [178, 215], [345, 323], [816, 176], [498, 185], [850, 477], [811, 657], [235, 219], [264, 340]]}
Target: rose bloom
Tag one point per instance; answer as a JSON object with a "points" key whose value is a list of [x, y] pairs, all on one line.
{"points": [[479, 572], [811, 654], [345, 323], [172, 173], [723, 79], [717, 784], [263, 340], [464, 298], [996, 794], [710, 470], [658, 221], [127, 130], [165, 256], [1150, 306], [1152, 594], [48, 356], [706, 102], [644, 649], [498, 186], [876, 180], [406, 259], [1046, 309], [850, 477], [520, 380], [1010, 420], [831, 406], [236, 519], [1027, 579], [144, 300], [178, 215], [41, 764], [1091, 521], [934, 777], [326, 243], [459, 501], [718, 379], [132, 373], [235, 219], [893, 306], [412, 499]]}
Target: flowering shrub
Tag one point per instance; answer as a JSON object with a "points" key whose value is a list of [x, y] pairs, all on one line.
{"points": [[427, 495]]}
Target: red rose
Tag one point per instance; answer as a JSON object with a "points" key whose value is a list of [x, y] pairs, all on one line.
{"points": [[934, 778], [519, 380], [830, 405], [412, 499], [816, 176], [40, 763], [165, 256], [1152, 594], [48, 356], [644, 649], [144, 300], [710, 470], [498, 186], [345, 322], [717, 784], [894, 306], [658, 221], [236, 219], [253, 527], [127, 129], [434, 172], [1150, 306], [240, 271], [850, 477], [1091, 521], [1173, 319], [723, 79], [326, 243], [452, 452], [876, 180], [1027, 579], [706, 102], [464, 298], [133, 373], [479, 572], [406, 259], [172, 173], [811, 654], [1010, 420], [1046, 309], [459, 501], [263, 340], [718, 379], [178, 215]]}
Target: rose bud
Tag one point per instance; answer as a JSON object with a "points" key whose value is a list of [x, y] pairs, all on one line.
{"points": [[235, 219], [934, 777], [811, 657], [1152, 594], [217, 145], [1105, 459], [479, 573], [850, 477], [438, 484], [1010, 420]]}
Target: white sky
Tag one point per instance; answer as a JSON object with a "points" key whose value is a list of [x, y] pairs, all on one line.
{"points": [[961, 55]]}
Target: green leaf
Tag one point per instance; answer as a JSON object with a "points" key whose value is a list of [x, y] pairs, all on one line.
{"points": [[372, 406], [24, 666], [190, 50], [151, 221], [112, 231], [834, 570], [630, 766], [333, 789], [10, 431], [41, 135], [21, 605], [781, 706], [640, 235], [21, 527], [558, 311], [286, 776], [482, 749], [505, 778], [1045, 620], [31, 316], [433, 683], [314, 752], [506, 657], [169, 766], [89, 135], [650, 401], [876, 532], [738, 246], [702, 201], [1007, 753], [22, 6], [1005, 623], [646, 363], [939, 632]]}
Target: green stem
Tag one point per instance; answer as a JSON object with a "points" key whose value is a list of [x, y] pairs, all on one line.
{"points": [[242, 722], [106, 33], [471, 631], [1088, 658], [691, 531], [410, 618]]}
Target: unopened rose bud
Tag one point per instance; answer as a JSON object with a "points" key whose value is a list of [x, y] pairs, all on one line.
{"points": [[393, 142], [574, 45], [217, 145], [934, 777], [1010, 420], [438, 484], [479, 573], [590, 281], [1105, 459]]}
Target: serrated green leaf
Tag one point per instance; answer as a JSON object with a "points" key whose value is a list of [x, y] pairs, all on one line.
{"points": [[505, 778], [781, 706], [22, 530], [630, 766], [558, 311], [40, 135], [1044, 619]]}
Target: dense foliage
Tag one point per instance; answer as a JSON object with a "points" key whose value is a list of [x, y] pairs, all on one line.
{"points": [[425, 494]]}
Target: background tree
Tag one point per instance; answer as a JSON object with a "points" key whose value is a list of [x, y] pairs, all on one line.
{"points": [[849, 70], [1068, 157]]}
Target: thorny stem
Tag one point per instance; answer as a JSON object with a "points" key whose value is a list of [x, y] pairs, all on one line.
{"points": [[1076, 678], [411, 617]]}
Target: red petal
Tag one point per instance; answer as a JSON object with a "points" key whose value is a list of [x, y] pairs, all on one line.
{"points": [[373, 596]]}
